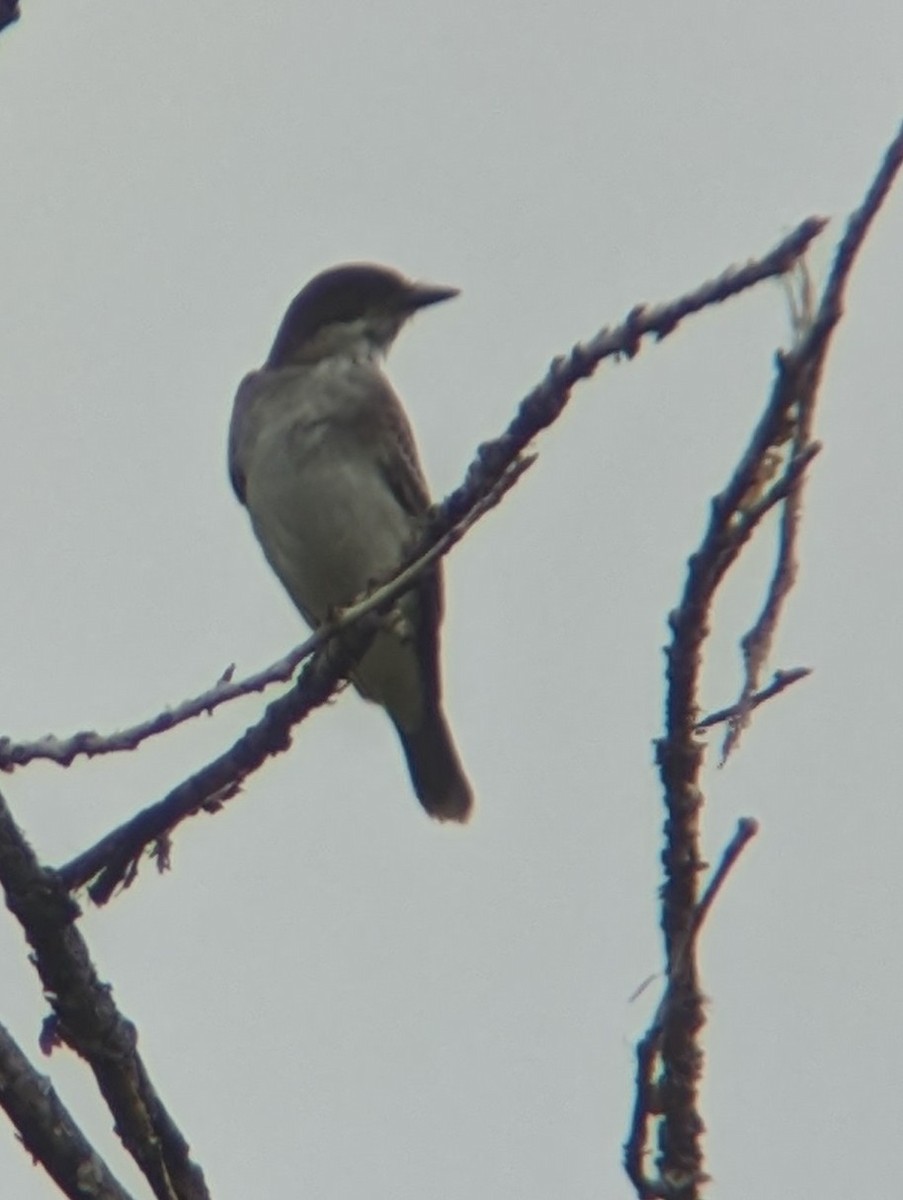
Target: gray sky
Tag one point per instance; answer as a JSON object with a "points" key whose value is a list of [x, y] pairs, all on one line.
{"points": [[336, 997]]}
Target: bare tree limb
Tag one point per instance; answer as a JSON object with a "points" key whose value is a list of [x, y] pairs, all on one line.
{"points": [[495, 468], [647, 1101], [87, 1019], [493, 460], [735, 515], [670, 1055], [542, 406], [831, 308], [429, 550], [48, 1131], [803, 366], [116, 855], [747, 828]]}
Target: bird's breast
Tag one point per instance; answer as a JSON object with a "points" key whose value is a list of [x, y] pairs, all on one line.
{"points": [[323, 511]]}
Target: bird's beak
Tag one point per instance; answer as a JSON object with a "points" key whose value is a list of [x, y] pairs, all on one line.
{"points": [[423, 294]]}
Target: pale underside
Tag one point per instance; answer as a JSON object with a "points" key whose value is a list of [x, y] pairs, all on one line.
{"points": [[324, 459]]}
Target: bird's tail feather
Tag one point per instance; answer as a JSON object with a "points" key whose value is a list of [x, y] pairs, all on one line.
{"points": [[436, 772]]}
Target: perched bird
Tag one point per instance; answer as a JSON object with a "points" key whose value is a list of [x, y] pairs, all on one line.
{"points": [[323, 457]]}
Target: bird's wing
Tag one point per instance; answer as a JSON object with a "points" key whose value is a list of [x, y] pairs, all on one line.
{"points": [[400, 465], [397, 456]]}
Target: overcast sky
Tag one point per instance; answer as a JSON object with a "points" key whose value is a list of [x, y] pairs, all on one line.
{"points": [[337, 998]]}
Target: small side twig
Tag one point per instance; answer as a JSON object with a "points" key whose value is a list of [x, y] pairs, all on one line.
{"points": [[735, 515], [747, 828], [647, 1100], [781, 681], [803, 365]]}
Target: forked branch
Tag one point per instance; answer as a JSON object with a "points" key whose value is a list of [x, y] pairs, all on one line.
{"points": [[771, 473]]}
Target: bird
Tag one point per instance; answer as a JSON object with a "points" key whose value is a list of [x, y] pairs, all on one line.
{"points": [[323, 457]]}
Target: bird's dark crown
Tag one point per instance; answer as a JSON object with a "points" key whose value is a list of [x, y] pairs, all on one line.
{"points": [[377, 299]]}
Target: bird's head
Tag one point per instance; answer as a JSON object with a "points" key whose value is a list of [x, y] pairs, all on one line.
{"points": [[355, 309]]}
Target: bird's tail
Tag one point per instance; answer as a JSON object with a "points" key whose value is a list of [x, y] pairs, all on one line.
{"points": [[436, 772]]}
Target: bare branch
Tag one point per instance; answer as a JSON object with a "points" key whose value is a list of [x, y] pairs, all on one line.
{"points": [[489, 468], [781, 680], [116, 855], [114, 858], [756, 643], [48, 1131], [541, 407], [496, 467], [670, 1055], [803, 366], [87, 1019], [429, 550], [648, 1101], [747, 828], [858, 225]]}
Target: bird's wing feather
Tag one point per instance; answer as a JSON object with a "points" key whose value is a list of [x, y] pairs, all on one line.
{"points": [[397, 455], [399, 463]]}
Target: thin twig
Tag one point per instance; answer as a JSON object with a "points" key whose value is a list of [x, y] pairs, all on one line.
{"points": [[545, 403], [65, 751], [858, 225], [747, 828], [804, 365], [781, 681]]}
